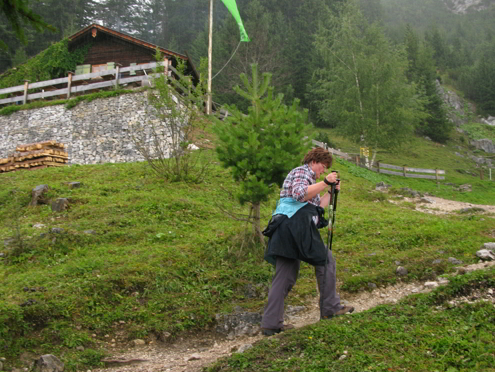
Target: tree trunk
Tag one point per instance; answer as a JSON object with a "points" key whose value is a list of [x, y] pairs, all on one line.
{"points": [[255, 207]]}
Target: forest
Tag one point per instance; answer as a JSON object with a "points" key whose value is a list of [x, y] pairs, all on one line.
{"points": [[376, 64]]}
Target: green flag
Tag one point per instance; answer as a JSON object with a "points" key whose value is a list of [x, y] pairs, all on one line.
{"points": [[232, 7]]}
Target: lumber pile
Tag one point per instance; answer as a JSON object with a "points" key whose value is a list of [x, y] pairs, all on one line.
{"points": [[35, 156]]}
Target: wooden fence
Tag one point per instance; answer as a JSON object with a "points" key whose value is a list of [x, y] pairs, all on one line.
{"points": [[111, 78], [404, 171]]}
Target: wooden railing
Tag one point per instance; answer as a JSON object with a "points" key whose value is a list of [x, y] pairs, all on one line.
{"points": [[435, 174], [113, 78]]}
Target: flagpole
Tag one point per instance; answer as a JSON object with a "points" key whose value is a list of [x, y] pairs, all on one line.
{"points": [[210, 48]]}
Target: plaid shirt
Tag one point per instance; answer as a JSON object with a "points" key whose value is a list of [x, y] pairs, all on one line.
{"points": [[296, 184]]}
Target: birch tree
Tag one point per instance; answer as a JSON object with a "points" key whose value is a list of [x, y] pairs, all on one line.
{"points": [[362, 88]]}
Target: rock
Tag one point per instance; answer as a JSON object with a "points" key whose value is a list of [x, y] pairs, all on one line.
{"points": [[39, 226], [489, 246], [192, 146], [89, 232], [60, 205], [484, 144], [292, 310], [80, 348], [443, 281], [138, 342], [37, 195], [244, 347], [372, 286], [437, 261], [49, 363], [57, 230], [454, 261], [401, 271], [485, 255], [490, 120], [74, 185], [238, 324], [410, 192], [382, 186], [426, 200], [465, 188], [193, 357], [431, 285]]}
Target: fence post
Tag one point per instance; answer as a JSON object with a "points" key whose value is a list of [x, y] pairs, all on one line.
{"points": [[357, 160], [404, 170], [378, 166], [490, 173], [165, 65], [26, 86], [69, 84], [117, 72], [481, 173], [436, 174]]}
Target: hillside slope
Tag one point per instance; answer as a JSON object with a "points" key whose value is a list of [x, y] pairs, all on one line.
{"points": [[157, 259]]}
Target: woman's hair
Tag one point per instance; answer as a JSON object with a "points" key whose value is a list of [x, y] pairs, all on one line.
{"points": [[319, 155]]}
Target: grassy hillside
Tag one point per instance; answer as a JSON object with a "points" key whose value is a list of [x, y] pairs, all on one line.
{"points": [[162, 257]]}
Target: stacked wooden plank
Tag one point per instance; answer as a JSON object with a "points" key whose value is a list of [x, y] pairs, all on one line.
{"points": [[36, 156]]}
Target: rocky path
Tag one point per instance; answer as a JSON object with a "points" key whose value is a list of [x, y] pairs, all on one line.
{"points": [[192, 354]]}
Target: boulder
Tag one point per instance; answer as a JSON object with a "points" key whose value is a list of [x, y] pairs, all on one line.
{"points": [[485, 255], [490, 120], [37, 195], [489, 246], [60, 205], [238, 324], [49, 363], [401, 271], [484, 144], [382, 186]]}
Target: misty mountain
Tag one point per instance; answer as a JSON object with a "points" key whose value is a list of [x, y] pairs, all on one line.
{"points": [[466, 6]]}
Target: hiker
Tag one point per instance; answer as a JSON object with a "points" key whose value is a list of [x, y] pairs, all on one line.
{"points": [[294, 237]]}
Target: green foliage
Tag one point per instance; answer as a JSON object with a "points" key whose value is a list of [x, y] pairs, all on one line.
{"points": [[18, 13], [53, 62], [479, 131], [262, 146], [166, 144], [362, 88]]}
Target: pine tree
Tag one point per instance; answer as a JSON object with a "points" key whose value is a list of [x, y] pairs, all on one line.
{"points": [[262, 146]]}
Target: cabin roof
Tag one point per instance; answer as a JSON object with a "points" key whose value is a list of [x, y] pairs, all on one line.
{"points": [[82, 33]]}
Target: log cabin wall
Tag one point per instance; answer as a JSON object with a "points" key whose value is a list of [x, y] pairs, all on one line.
{"points": [[109, 49]]}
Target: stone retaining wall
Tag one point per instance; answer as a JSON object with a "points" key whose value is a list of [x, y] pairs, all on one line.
{"points": [[94, 132]]}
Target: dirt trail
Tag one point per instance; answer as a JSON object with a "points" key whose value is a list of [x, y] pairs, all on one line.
{"points": [[193, 353]]}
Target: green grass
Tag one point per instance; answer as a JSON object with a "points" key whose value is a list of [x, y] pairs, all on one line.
{"points": [[165, 258], [420, 333]]}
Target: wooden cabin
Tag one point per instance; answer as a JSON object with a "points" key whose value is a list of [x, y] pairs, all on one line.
{"points": [[110, 47]]}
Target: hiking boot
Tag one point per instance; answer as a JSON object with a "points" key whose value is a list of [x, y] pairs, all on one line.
{"points": [[344, 310], [271, 332]]}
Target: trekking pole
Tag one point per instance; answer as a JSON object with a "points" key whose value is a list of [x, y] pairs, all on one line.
{"points": [[332, 207]]}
